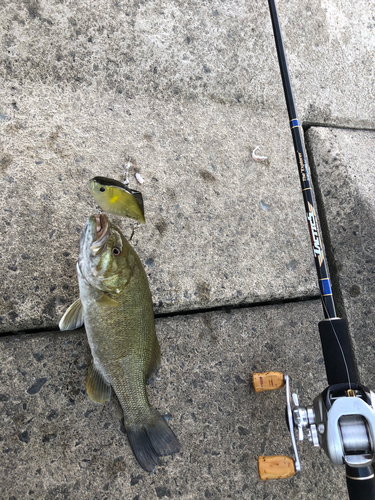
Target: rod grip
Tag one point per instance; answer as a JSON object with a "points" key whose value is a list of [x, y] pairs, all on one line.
{"points": [[333, 335], [268, 381], [360, 483], [275, 467]]}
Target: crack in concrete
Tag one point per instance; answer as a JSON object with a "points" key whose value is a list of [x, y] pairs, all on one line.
{"points": [[223, 308]]}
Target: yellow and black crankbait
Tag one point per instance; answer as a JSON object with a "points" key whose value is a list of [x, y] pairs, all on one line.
{"points": [[117, 199]]}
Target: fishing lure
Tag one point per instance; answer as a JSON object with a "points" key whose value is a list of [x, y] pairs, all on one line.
{"points": [[117, 199]]}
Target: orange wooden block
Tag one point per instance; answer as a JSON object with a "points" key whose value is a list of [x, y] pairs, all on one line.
{"points": [[268, 381], [275, 467]]}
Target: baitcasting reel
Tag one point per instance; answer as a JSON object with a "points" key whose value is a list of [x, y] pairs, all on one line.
{"points": [[341, 420]]}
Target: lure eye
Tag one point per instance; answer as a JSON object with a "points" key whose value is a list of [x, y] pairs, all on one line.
{"points": [[102, 189], [116, 251]]}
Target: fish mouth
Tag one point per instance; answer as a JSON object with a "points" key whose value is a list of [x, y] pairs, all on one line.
{"points": [[102, 234]]}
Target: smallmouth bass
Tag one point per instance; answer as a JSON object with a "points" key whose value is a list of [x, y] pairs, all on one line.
{"points": [[117, 199], [115, 305]]}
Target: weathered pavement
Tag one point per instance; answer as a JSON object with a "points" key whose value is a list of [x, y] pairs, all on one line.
{"points": [[187, 91], [77, 448]]}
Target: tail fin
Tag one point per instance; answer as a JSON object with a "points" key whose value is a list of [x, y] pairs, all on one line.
{"points": [[151, 441]]}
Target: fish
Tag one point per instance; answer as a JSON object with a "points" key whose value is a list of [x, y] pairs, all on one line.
{"points": [[115, 306], [117, 199]]}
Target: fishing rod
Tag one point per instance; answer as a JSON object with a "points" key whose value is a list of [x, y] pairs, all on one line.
{"points": [[341, 419]]}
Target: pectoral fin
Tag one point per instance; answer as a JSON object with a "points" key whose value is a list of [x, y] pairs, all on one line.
{"points": [[96, 387], [73, 317], [106, 300]]}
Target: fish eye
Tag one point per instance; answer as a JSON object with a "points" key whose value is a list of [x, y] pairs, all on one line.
{"points": [[102, 189], [116, 251]]}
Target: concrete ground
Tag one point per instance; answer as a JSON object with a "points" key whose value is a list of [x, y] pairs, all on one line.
{"points": [[187, 91]]}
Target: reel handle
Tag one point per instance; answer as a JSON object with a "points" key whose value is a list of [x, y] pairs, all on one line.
{"points": [[275, 467], [268, 381]]}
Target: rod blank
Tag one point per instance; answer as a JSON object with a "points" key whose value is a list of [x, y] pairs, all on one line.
{"points": [[324, 284]]}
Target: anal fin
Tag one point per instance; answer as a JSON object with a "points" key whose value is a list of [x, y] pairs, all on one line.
{"points": [[96, 387], [73, 317]]}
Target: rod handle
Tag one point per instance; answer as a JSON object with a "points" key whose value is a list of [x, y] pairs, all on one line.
{"points": [[275, 467], [268, 381], [360, 482]]}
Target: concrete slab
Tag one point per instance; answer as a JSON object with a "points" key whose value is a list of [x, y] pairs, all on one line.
{"points": [[185, 50], [221, 228], [344, 165], [188, 90], [57, 444]]}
